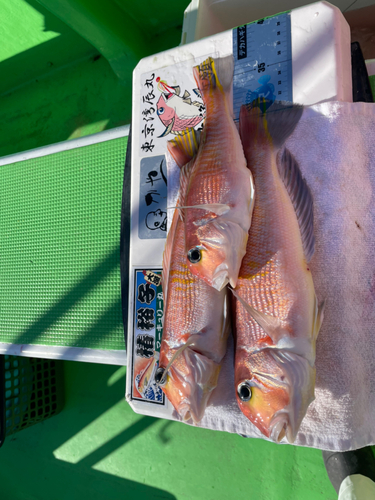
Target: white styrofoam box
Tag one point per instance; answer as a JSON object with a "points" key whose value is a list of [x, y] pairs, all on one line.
{"points": [[204, 18], [321, 70], [321, 56], [320, 41]]}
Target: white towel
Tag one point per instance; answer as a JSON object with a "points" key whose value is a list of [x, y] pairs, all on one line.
{"points": [[334, 144]]}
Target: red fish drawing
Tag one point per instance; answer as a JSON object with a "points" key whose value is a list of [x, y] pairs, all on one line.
{"points": [[175, 112]]}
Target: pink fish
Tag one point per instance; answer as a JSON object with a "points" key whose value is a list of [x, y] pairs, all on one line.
{"points": [[175, 112]]}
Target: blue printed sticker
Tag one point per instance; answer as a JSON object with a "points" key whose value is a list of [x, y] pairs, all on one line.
{"points": [[147, 334], [153, 198], [262, 62]]}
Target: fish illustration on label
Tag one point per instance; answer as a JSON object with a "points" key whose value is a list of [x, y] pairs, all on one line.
{"points": [[144, 380], [265, 90], [176, 112]]}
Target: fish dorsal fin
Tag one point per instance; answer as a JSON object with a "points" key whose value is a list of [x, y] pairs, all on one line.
{"points": [[198, 93], [185, 173], [184, 146], [301, 198], [177, 90], [186, 95]]}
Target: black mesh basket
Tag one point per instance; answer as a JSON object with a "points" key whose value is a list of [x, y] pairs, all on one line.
{"points": [[32, 391]]}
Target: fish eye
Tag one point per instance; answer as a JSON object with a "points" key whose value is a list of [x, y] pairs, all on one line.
{"points": [[160, 111], [244, 391], [194, 255], [159, 376]]}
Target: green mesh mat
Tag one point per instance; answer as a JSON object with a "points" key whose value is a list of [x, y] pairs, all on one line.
{"points": [[372, 83], [60, 221]]}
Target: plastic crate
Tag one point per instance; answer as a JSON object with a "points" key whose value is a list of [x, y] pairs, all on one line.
{"points": [[33, 390]]}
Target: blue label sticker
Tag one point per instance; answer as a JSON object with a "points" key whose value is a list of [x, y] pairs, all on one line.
{"points": [[147, 335], [153, 198], [262, 62]]}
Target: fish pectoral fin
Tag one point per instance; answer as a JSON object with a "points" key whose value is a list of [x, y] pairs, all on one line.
{"points": [[185, 173], [216, 208], [270, 324], [168, 129], [185, 146], [191, 340], [301, 346]]}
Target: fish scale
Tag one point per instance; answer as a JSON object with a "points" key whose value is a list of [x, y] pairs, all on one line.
{"points": [[267, 279]]}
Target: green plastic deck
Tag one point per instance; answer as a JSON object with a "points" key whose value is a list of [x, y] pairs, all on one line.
{"points": [[372, 84], [98, 448], [60, 258]]}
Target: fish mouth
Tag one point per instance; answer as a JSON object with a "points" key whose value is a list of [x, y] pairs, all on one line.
{"points": [[221, 277], [220, 280], [191, 412], [189, 391], [280, 427]]}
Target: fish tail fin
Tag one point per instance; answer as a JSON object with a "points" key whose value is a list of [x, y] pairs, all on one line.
{"points": [[184, 146], [282, 118], [277, 120], [214, 74]]}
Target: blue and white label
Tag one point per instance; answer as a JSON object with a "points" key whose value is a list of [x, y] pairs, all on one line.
{"points": [[262, 61], [153, 198], [147, 334]]}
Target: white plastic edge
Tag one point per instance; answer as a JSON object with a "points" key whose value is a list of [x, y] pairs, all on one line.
{"points": [[107, 135], [66, 353], [370, 65], [190, 22]]}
